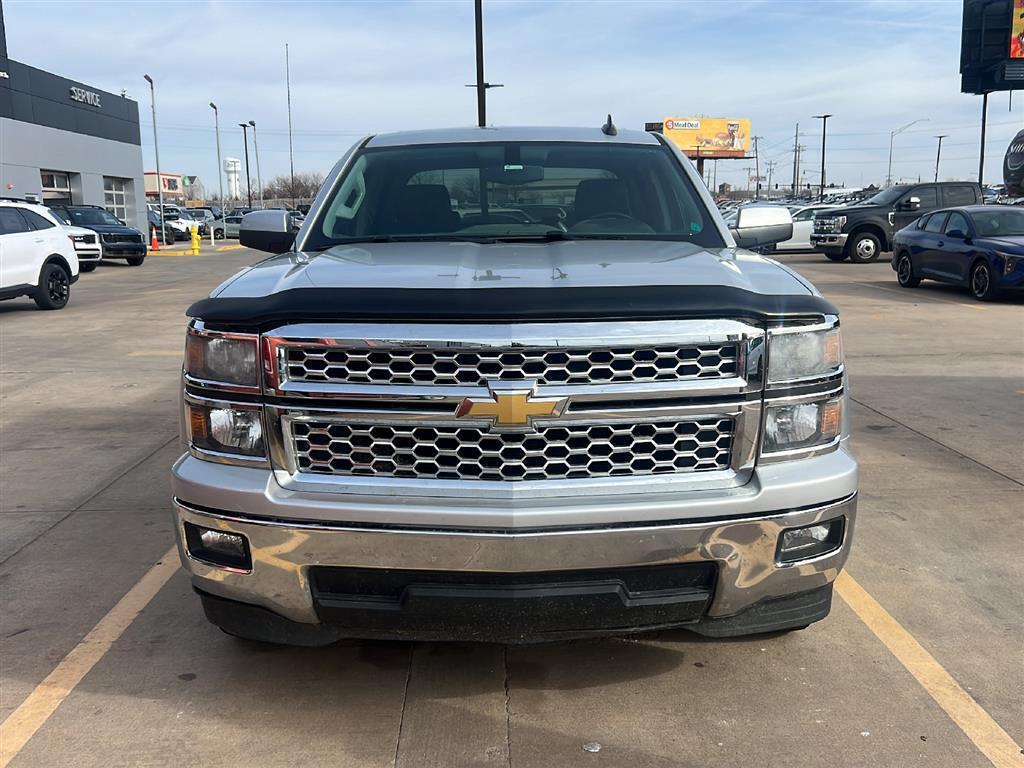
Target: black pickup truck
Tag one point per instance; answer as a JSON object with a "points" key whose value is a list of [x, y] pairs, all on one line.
{"points": [[862, 232]]}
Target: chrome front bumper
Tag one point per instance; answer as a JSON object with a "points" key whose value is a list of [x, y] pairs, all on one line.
{"points": [[827, 240], [744, 549]]}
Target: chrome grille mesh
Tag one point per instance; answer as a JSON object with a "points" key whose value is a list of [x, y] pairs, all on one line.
{"points": [[548, 453], [475, 367]]}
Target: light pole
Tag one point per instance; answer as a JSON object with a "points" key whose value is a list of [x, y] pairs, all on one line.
{"points": [[481, 84], [255, 146], [220, 171], [824, 122], [156, 151], [245, 139], [938, 154], [892, 136]]}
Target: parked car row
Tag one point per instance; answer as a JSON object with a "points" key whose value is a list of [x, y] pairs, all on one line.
{"points": [[44, 249]]}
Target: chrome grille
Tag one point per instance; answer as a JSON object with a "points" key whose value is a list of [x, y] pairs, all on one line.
{"points": [[548, 453], [552, 366]]}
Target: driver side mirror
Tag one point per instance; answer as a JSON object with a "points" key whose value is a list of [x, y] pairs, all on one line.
{"points": [[956, 234], [762, 225], [911, 204], [269, 231]]}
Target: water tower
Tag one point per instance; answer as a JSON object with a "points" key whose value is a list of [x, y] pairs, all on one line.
{"points": [[233, 171]]}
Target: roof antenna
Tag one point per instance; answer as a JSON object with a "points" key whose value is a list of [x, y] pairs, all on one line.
{"points": [[609, 129]]}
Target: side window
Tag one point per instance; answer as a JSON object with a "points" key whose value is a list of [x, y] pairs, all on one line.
{"points": [[37, 221], [934, 223], [923, 222], [929, 196], [805, 215], [956, 221], [12, 222], [959, 194]]}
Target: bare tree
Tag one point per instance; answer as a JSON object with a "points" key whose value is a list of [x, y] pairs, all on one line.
{"points": [[306, 186]]}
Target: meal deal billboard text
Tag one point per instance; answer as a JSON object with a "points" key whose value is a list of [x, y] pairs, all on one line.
{"points": [[709, 136]]}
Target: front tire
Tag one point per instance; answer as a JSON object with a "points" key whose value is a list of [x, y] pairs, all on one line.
{"points": [[135, 261], [88, 267], [835, 255], [982, 282], [54, 287], [863, 248], [905, 272], [218, 234]]}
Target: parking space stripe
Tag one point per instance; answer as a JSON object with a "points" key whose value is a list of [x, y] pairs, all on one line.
{"points": [[29, 717], [925, 297], [977, 724]]}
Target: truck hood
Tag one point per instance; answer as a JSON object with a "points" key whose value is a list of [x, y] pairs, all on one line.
{"points": [[510, 283], [557, 265]]}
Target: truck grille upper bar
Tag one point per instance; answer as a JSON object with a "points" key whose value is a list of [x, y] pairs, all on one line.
{"points": [[553, 366]]}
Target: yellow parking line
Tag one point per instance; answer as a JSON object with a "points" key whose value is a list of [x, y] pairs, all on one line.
{"points": [[905, 292], [23, 722], [230, 247], [978, 725]]}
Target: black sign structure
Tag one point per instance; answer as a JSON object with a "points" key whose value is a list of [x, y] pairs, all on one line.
{"points": [[991, 59]]}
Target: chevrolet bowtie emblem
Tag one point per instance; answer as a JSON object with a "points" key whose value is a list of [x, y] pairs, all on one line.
{"points": [[511, 406]]}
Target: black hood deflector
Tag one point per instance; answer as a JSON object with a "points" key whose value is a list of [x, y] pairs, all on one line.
{"points": [[510, 305]]}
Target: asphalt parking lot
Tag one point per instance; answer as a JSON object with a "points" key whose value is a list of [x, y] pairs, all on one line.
{"points": [[106, 659]]}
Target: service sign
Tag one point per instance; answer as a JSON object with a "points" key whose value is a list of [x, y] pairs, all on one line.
{"points": [[709, 136], [83, 96]]}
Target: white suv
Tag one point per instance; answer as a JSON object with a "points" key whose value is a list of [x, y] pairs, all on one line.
{"points": [[37, 256]]}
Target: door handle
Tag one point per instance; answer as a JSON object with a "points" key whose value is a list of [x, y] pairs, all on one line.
{"points": [[941, 243], [39, 240]]}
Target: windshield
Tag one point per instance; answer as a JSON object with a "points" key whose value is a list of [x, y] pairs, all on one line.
{"points": [[999, 222], [514, 191], [886, 196], [87, 216]]}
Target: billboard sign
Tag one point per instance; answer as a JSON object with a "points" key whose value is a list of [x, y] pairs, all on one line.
{"points": [[1017, 31], [709, 137]]}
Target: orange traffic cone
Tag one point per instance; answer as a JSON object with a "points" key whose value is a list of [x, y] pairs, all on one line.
{"points": [[154, 244]]}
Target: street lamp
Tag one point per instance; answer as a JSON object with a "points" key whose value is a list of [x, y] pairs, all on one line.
{"points": [[824, 122], [220, 171], [938, 154], [248, 183], [259, 180], [892, 135], [156, 151]]}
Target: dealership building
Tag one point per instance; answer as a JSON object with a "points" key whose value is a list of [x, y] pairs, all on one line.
{"points": [[63, 141]]}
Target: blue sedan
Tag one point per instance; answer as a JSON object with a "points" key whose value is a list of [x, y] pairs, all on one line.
{"points": [[980, 247]]}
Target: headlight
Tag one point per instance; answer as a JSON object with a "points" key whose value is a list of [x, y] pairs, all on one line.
{"points": [[1009, 262], [225, 429], [839, 223], [802, 425], [804, 354], [81, 238], [222, 358]]}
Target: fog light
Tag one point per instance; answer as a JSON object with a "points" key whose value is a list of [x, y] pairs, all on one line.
{"points": [[220, 548], [810, 541]]}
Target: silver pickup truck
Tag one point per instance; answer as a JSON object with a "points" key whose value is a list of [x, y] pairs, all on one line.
{"points": [[513, 385]]}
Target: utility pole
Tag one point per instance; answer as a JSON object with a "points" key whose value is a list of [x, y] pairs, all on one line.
{"points": [[255, 146], [796, 158], [714, 172], [824, 123], [748, 169], [220, 171], [481, 84], [771, 169], [892, 137], [938, 154], [156, 151], [248, 183], [757, 169], [288, 87]]}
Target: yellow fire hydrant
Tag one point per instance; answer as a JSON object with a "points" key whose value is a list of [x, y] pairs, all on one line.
{"points": [[195, 241]]}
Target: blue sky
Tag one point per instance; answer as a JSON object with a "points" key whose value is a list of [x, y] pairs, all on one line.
{"points": [[361, 67]]}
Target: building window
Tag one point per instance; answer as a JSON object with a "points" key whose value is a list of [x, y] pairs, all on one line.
{"points": [[114, 197], [56, 187]]}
